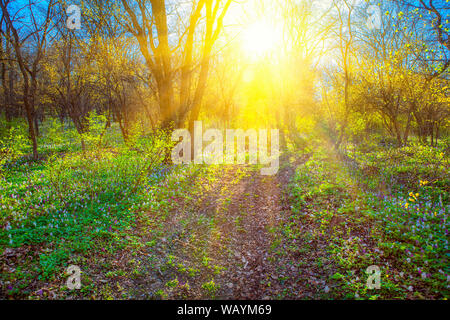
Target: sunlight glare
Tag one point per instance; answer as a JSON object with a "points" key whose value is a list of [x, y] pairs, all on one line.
{"points": [[261, 38]]}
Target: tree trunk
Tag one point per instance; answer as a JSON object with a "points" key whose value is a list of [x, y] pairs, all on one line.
{"points": [[31, 129]]}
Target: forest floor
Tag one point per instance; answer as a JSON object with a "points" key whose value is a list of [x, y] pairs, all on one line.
{"points": [[228, 232], [224, 241]]}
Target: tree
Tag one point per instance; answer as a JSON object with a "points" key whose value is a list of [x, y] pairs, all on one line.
{"points": [[29, 62], [168, 62]]}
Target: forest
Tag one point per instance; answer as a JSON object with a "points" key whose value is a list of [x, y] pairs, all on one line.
{"points": [[327, 176]]}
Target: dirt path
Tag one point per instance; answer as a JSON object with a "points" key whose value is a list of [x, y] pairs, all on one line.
{"points": [[228, 239], [265, 262], [251, 213], [255, 209]]}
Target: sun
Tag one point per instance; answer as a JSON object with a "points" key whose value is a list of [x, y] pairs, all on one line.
{"points": [[260, 39]]}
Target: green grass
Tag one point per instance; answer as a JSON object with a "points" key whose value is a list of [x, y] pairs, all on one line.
{"points": [[385, 207], [394, 216], [72, 204]]}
